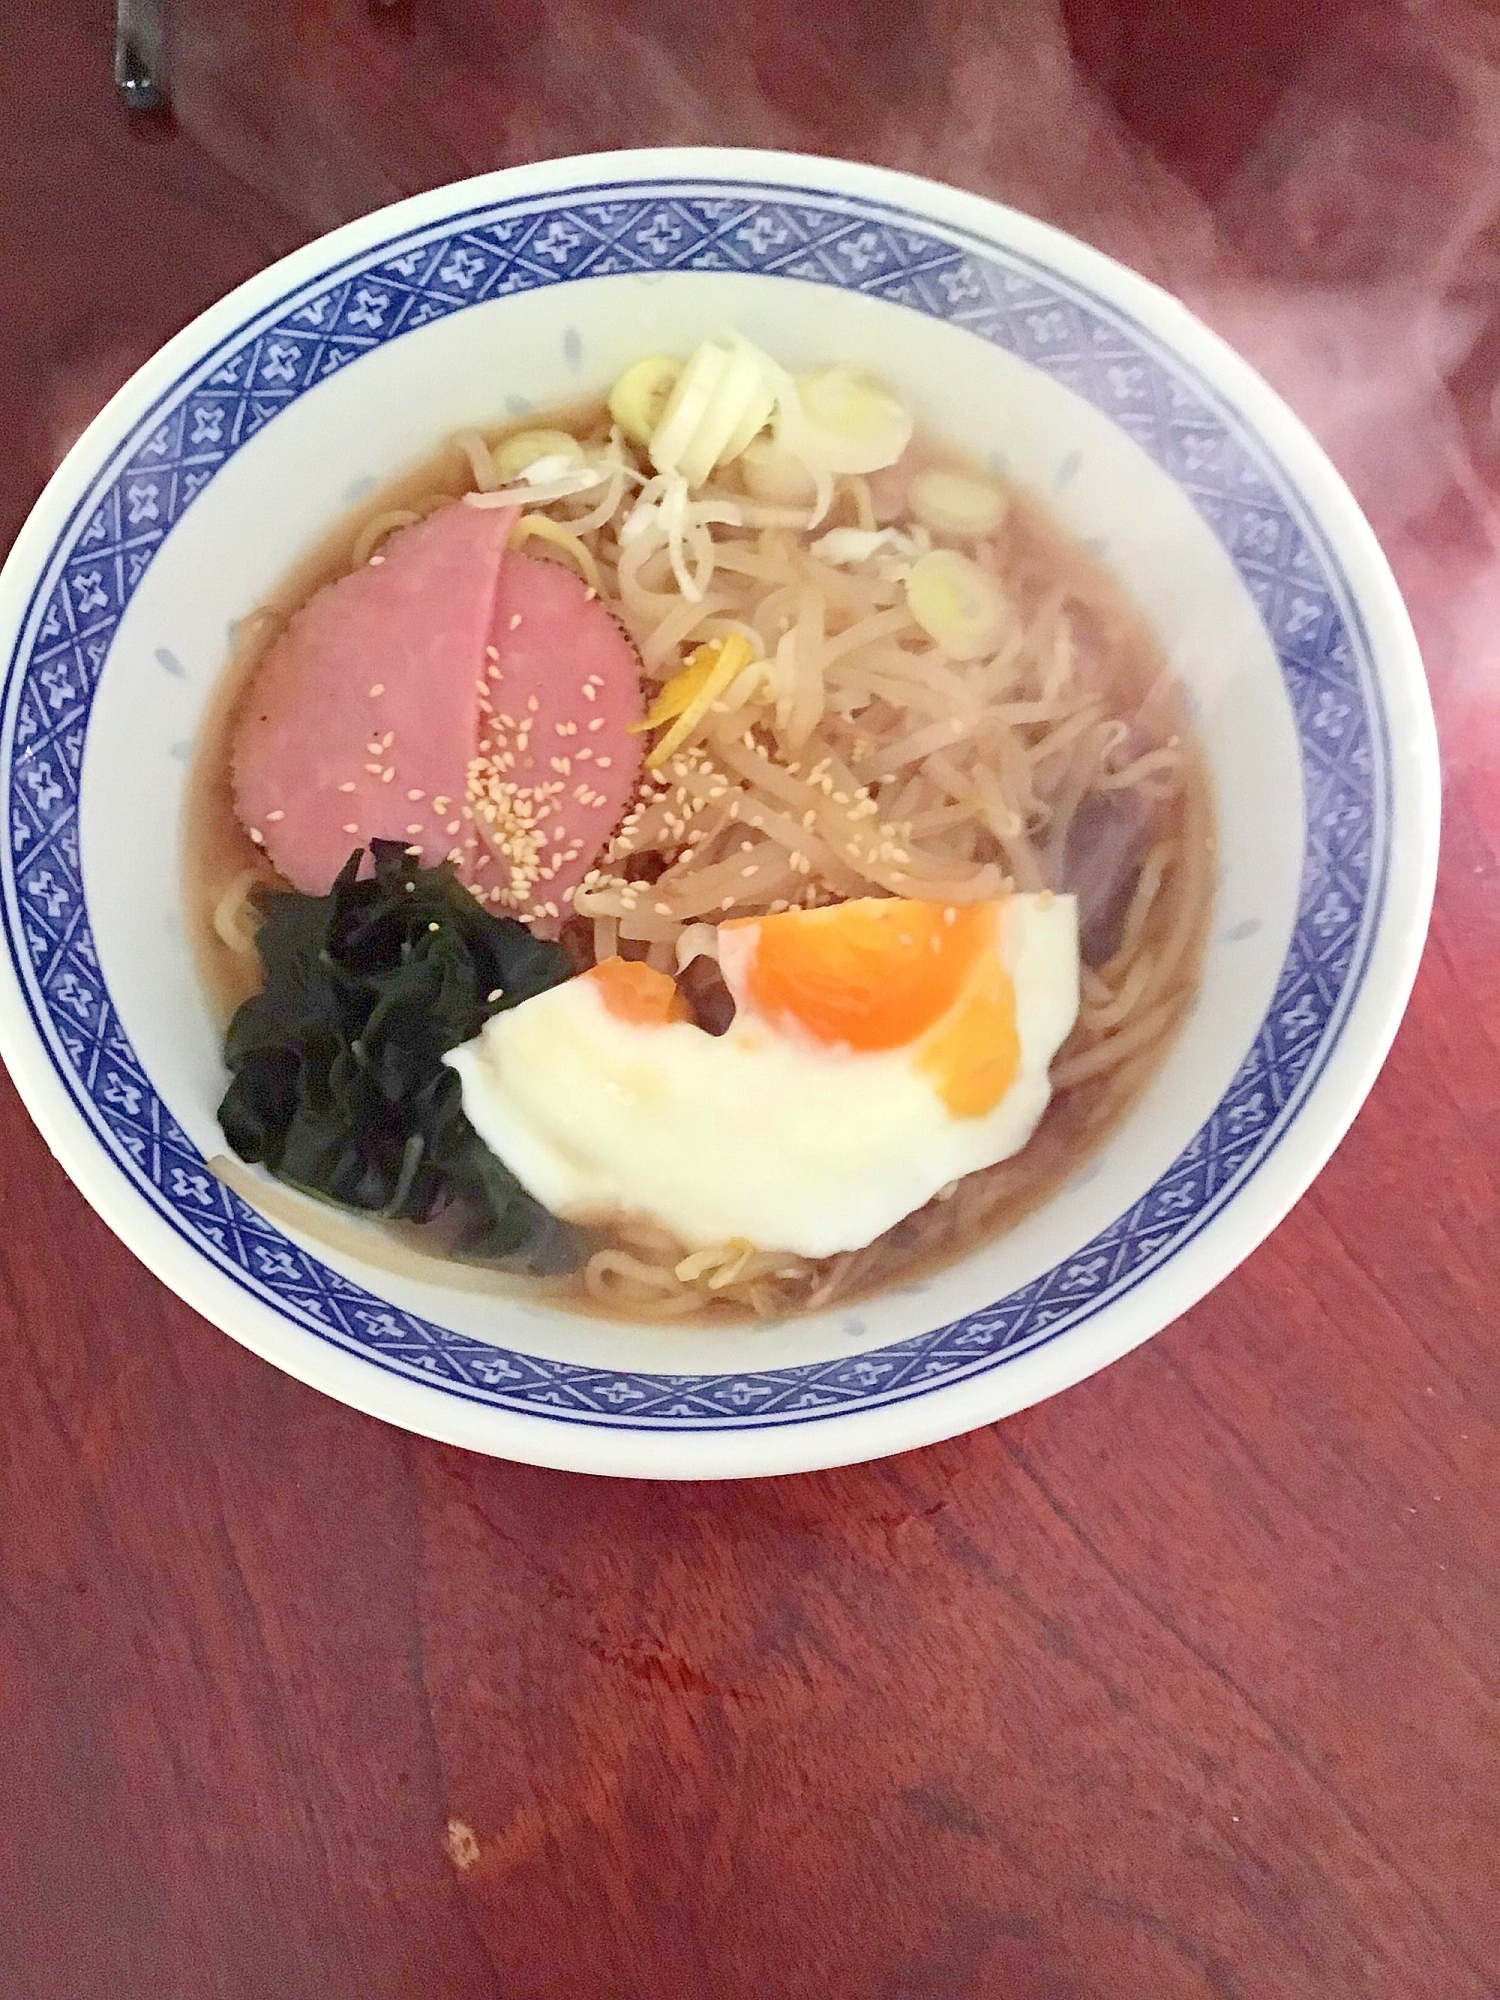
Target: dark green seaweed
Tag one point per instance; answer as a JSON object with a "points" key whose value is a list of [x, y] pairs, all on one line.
{"points": [[339, 1087]]}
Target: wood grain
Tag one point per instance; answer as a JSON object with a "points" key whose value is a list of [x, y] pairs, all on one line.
{"points": [[1184, 1684]]}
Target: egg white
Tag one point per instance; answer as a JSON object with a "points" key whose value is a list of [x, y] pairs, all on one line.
{"points": [[759, 1135]]}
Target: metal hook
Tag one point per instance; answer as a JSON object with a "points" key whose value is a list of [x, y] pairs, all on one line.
{"points": [[140, 55]]}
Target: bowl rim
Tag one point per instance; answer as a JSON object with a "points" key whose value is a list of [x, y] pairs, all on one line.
{"points": [[1252, 1209]]}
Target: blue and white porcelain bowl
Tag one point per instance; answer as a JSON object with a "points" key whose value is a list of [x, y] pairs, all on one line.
{"points": [[228, 452]]}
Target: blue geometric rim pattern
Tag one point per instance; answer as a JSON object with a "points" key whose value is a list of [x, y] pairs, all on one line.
{"points": [[871, 248]]}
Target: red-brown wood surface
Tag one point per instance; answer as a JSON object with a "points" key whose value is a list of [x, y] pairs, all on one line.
{"points": [[1184, 1684]]}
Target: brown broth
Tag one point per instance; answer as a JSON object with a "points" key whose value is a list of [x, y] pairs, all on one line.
{"points": [[218, 853]]}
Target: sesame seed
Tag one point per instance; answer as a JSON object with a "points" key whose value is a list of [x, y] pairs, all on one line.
{"points": [[387, 774], [602, 763], [274, 816], [662, 909], [349, 787], [416, 795], [588, 693], [376, 769], [415, 827], [597, 724], [727, 904], [257, 836], [376, 561], [515, 619], [388, 739], [377, 690], [492, 652], [352, 827]]}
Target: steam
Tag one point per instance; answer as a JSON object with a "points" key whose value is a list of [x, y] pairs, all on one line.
{"points": [[1352, 252]]}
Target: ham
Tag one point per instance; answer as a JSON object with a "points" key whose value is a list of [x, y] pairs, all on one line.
{"points": [[378, 673], [559, 760], [472, 703]]}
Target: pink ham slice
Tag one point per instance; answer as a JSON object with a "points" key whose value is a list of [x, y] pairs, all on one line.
{"points": [[377, 673], [556, 743], [366, 718]]}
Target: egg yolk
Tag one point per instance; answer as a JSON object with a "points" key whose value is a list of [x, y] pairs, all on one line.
{"points": [[871, 974], [638, 993], [972, 1060]]}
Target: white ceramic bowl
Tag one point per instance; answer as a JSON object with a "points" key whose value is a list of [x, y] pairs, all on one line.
{"points": [[234, 446]]}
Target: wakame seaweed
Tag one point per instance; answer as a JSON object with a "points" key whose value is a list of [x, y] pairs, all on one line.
{"points": [[339, 1087]]}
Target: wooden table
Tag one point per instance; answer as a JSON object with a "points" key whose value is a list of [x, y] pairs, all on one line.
{"points": [[1184, 1684]]}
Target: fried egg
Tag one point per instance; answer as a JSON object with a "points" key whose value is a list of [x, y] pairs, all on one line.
{"points": [[880, 1049]]}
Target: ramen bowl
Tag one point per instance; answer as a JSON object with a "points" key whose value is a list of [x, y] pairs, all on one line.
{"points": [[230, 451]]}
